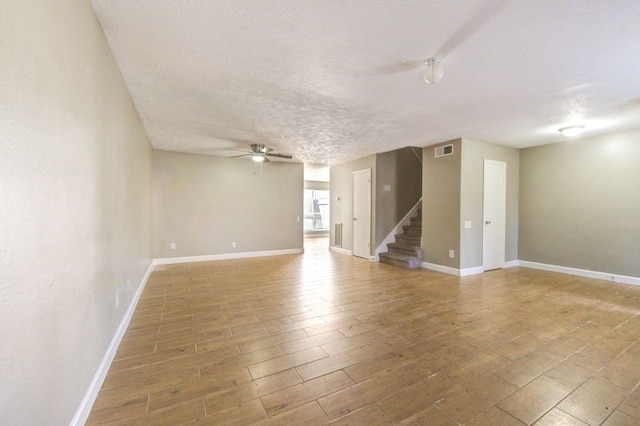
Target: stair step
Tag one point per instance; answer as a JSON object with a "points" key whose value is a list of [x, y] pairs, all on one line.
{"points": [[416, 221], [412, 231], [405, 249], [402, 260], [408, 240]]}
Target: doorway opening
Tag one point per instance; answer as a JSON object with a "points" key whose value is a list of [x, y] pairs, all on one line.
{"points": [[316, 212], [316, 199]]}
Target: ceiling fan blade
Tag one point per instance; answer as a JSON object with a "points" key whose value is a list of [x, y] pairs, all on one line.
{"points": [[266, 160], [241, 155], [287, 156]]}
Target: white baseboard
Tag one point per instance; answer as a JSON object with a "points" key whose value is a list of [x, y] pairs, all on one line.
{"points": [[471, 271], [225, 256], [511, 264], [340, 250], [316, 234], [581, 272], [440, 268], [83, 411], [452, 271]]}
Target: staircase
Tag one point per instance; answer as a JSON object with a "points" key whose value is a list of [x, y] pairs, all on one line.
{"points": [[406, 251]]}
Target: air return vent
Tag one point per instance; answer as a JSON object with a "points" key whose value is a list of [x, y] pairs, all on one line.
{"points": [[441, 151], [337, 235]]}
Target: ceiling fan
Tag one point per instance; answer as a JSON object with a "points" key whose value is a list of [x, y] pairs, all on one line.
{"points": [[260, 152]]}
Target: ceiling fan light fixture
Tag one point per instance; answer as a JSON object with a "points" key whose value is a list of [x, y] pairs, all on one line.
{"points": [[258, 158], [571, 131], [434, 72]]}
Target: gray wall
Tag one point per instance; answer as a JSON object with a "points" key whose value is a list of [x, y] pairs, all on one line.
{"points": [[401, 169], [580, 204], [473, 155], [441, 205], [76, 210], [205, 203], [341, 187]]}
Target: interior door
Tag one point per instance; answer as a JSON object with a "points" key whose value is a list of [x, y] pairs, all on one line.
{"points": [[494, 214], [362, 213]]}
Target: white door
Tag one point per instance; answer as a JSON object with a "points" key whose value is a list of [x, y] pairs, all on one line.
{"points": [[494, 214], [362, 213]]}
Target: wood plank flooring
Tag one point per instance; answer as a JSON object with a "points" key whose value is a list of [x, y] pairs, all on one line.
{"points": [[326, 338]]}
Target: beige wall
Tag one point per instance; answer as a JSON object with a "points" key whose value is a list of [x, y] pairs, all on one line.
{"points": [[75, 211], [580, 204], [205, 203], [441, 205], [341, 187], [473, 155], [401, 170]]}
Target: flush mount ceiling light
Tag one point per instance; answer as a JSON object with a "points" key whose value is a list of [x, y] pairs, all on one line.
{"points": [[258, 158], [434, 71], [571, 131]]}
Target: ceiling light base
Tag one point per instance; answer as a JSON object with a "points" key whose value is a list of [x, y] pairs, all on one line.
{"points": [[434, 72], [571, 131]]}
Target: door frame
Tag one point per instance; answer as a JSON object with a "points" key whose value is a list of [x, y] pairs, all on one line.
{"points": [[367, 206]]}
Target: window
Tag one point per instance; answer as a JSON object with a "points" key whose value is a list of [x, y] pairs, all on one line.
{"points": [[316, 210]]}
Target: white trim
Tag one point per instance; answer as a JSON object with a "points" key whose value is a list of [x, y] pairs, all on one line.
{"points": [[340, 250], [581, 272], [440, 268], [471, 271], [316, 234], [406, 220], [83, 411], [225, 256], [511, 264], [453, 271]]}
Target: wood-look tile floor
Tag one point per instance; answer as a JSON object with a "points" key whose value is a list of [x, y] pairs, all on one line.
{"points": [[326, 338]]}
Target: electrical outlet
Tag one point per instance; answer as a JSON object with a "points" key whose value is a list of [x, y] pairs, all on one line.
{"points": [[467, 224], [297, 218], [452, 254], [233, 244], [172, 246]]}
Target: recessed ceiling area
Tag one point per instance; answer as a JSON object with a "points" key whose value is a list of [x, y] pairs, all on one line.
{"points": [[330, 81]]}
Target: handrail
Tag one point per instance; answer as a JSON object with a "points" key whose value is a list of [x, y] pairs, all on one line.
{"points": [[417, 154], [391, 236]]}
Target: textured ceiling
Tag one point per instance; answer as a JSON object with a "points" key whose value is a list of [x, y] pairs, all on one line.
{"points": [[330, 81]]}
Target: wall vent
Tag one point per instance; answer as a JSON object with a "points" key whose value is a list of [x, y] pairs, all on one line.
{"points": [[337, 235], [442, 151]]}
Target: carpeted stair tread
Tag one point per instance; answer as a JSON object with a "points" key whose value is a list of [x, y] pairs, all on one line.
{"points": [[408, 249], [400, 259]]}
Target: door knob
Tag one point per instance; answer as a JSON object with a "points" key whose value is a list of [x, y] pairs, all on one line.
{"points": [[487, 222], [355, 218]]}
